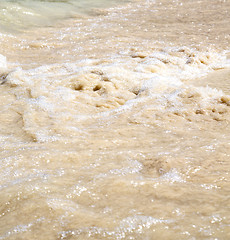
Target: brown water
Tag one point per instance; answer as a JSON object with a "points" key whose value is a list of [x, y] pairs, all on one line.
{"points": [[116, 125]]}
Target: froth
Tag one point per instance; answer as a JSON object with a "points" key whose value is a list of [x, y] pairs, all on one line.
{"points": [[3, 64], [67, 96]]}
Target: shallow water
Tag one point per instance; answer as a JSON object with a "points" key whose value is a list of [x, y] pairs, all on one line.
{"points": [[19, 15], [116, 125]]}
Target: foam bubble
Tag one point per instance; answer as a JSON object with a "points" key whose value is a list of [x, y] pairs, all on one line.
{"points": [[3, 64], [64, 95]]}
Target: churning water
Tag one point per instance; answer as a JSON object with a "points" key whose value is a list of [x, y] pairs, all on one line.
{"points": [[114, 120]]}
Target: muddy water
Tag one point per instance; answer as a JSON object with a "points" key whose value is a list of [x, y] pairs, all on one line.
{"points": [[116, 125]]}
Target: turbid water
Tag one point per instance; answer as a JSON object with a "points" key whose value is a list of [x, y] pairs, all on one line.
{"points": [[115, 121]]}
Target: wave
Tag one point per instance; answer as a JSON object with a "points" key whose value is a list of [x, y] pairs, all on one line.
{"points": [[64, 96], [16, 16]]}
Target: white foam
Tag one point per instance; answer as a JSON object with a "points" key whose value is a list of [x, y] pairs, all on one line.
{"points": [[3, 63], [125, 82]]}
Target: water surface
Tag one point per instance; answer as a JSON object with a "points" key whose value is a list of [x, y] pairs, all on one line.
{"points": [[115, 125], [22, 14]]}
